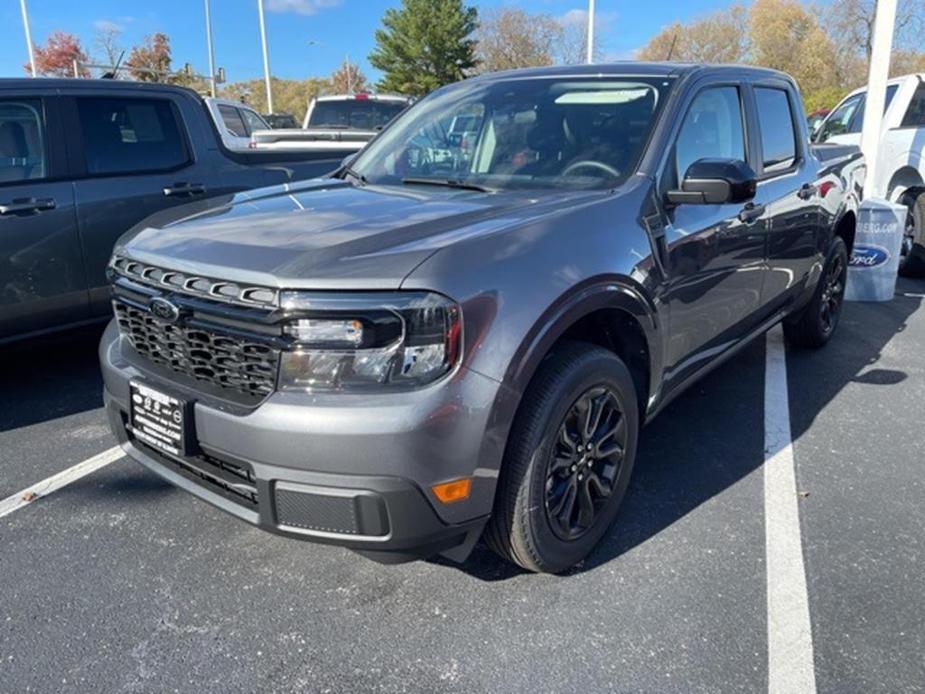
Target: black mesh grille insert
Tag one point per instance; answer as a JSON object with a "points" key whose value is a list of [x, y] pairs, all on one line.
{"points": [[333, 514], [226, 361]]}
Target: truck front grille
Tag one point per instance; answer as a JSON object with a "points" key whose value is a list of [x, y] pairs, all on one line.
{"points": [[222, 359]]}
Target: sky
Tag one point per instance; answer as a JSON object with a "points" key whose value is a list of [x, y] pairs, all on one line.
{"points": [[306, 37]]}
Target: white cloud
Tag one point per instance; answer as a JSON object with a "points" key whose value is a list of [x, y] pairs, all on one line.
{"points": [[603, 21], [108, 25], [301, 6]]}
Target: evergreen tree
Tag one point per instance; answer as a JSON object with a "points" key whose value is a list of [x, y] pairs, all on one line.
{"points": [[424, 45]]}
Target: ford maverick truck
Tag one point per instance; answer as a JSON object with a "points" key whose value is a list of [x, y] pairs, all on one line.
{"points": [[457, 337]]}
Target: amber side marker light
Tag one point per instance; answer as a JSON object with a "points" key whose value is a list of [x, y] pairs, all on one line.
{"points": [[457, 490]]}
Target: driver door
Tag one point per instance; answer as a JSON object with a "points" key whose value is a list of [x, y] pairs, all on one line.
{"points": [[716, 252]]}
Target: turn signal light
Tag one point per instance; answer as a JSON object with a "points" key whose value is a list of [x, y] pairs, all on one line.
{"points": [[457, 490]]}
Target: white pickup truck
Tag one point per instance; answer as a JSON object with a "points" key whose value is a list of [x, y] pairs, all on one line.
{"points": [[336, 122], [901, 165]]}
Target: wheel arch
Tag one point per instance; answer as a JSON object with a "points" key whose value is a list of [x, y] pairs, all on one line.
{"points": [[905, 180], [615, 313]]}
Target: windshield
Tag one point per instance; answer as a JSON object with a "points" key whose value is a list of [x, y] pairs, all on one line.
{"points": [[526, 133], [359, 114]]}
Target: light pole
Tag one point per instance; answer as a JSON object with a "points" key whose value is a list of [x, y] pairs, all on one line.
{"points": [[876, 90], [590, 31], [266, 56], [211, 49], [25, 23]]}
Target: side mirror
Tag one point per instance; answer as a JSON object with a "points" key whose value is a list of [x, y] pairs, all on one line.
{"points": [[715, 182]]}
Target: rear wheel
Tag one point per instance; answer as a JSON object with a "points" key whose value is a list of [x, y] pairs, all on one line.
{"points": [[912, 260], [815, 324], [568, 460]]}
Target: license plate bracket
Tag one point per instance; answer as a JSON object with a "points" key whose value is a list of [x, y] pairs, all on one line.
{"points": [[161, 420]]}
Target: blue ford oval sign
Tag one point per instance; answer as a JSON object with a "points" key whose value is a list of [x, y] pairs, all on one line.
{"points": [[869, 256]]}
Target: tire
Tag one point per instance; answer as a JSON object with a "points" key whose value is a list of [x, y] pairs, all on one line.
{"points": [[540, 467], [912, 262], [814, 326]]}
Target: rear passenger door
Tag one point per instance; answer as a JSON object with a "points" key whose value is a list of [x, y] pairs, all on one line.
{"points": [[787, 185], [134, 158], [42, 282]]}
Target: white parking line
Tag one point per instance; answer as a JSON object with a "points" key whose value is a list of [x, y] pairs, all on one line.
{"points": [[914, 296], [790, 638], [56, 482]]}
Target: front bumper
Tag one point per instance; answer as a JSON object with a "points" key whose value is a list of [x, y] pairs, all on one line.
{"points": [[354, 471]]}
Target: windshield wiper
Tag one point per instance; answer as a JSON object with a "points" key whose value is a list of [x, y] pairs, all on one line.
{"points": [[447, 183], [360, 178]]}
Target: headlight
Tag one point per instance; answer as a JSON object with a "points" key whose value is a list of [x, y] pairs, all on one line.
{"points": [[371, 341]]}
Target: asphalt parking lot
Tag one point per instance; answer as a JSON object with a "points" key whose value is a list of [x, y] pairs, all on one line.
{"points": [[119, 582]]}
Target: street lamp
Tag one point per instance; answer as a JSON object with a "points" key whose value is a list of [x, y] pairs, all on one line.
{"points": [[266, 56], [590, 31], [25, 23], [211, 49]]}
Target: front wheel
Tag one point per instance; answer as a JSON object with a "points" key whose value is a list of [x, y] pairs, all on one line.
{"points": [[816, 323], [568, 461]]}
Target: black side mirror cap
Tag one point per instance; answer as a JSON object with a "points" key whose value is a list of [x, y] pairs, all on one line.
{"points": [[715, 182]]}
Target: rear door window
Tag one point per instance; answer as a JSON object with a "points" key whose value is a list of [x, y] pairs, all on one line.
{"points": [[127, 135], [233, 121], [915, 114], [778, 131], [838, 121], [22, 141]]}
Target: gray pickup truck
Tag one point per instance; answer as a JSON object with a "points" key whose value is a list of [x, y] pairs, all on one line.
{"points": [[82, 162], [447, 339]]}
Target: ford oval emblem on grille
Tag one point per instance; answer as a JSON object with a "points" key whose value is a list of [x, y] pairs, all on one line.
{"points": [[163, 309]]}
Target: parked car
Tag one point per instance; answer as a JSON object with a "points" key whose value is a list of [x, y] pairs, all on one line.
{"points": [[421, 349], [236, 122], [345, 120], [814, 119], [81, 162], [901, 162], [280, 121]]}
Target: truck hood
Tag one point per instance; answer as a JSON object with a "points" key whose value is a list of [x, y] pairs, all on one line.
{"points": [[330, 234]]}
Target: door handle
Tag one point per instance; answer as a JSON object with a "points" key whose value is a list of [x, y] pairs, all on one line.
{"points": [[750, 213], [807, 191], [182, 190], [21, 205]]}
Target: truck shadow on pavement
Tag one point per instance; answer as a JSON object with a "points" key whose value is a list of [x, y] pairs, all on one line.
{"points": [[51, 377], [713, 436]]}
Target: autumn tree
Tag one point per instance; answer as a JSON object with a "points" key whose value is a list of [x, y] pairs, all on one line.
{"points": [[106, 40], [289, 96], [572, 44], [150, 61], [512, 38], [56, 58], [348, 79], [786, 36], [424, 45], [852, 22], [718, 38]]}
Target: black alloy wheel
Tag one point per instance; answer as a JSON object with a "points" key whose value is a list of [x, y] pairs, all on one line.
{"points": [[585, 462], [833, 294]]}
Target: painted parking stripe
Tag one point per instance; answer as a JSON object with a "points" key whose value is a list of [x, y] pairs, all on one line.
{"points": [[790, 639], [55, 482]]}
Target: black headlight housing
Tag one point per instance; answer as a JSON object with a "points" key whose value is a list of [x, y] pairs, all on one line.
{"points": [[368, 342]]}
